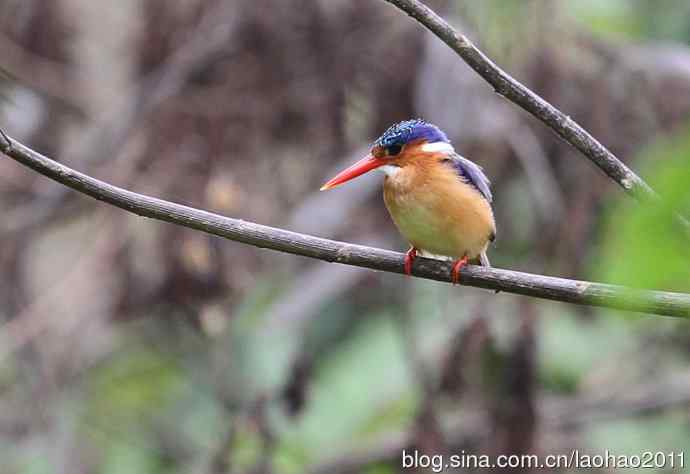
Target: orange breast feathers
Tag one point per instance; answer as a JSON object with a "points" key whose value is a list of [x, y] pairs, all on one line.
{"points": [[436, 210]]}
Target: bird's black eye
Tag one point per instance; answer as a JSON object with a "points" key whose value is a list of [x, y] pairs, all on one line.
{"points": [[393, 150]]}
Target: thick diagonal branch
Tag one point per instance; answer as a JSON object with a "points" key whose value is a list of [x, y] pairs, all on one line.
{"points": [[559, 289], [519, 94]]}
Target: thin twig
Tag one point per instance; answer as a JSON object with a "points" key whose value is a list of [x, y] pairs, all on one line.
{"points": [[559, 289], [505, 85]]}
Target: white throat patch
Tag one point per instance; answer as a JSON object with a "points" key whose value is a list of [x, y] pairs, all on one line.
{"points": [[438, 147], [390, 170]]}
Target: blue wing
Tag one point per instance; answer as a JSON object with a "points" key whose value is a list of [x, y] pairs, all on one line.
{"points": [[472, 174]]}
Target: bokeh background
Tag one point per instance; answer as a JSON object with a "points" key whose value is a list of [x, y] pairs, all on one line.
{"points": [[132, 346]]}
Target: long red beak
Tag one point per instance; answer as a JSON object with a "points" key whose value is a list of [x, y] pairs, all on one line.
{"points": [[364, 165]]}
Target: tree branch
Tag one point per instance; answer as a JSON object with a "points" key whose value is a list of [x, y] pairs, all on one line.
{"points": [[505, 85], [559, 289]]}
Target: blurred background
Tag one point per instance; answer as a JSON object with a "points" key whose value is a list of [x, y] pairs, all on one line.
{"points": [[133, 346]]}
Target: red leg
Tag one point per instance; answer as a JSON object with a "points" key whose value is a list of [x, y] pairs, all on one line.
{"points": [[457, 266], [409, 258]]}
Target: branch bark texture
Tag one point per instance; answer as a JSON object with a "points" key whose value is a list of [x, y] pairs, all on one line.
{"points": [[505, 85], [558, 289]]}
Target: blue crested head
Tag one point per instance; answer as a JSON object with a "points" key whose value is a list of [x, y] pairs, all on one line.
{"points": [[411, 130]]}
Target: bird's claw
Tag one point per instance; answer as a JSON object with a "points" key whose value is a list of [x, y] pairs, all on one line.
{"points": [[409, 259], [455, 272]]}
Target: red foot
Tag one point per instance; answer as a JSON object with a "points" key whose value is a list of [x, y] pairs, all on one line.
{"points": [[409, 258], [457, 266]]}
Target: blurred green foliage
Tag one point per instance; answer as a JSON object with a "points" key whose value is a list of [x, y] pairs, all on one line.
{"points": [[636, 19], [362, 390], [643, 245]]}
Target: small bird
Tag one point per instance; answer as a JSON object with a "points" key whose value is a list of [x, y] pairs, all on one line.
{"points": [[439, 201]]}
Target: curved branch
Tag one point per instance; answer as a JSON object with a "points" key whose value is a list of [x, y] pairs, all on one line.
{"points": [[505, 85], [558, 289]]}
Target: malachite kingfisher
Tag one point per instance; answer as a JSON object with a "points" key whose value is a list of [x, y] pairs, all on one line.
{"points": [[440, 202]]}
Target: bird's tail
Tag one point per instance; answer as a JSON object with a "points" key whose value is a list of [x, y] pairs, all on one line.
{"points": [[484, 260]]}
